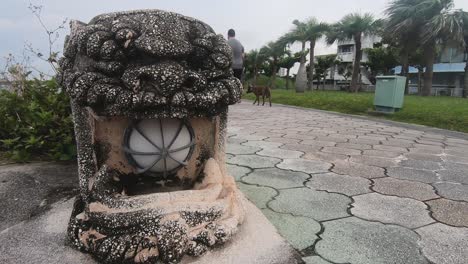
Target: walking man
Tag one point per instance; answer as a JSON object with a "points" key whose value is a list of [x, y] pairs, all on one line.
{"points": [[238, 53]]}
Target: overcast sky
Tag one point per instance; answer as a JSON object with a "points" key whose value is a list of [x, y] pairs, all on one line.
{"points": [[255, 21]]}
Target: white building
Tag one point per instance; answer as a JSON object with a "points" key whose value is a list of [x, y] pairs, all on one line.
{"points": [[346, 51]]}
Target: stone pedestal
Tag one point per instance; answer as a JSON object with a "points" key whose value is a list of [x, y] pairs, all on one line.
{"points": [[42, 241]]}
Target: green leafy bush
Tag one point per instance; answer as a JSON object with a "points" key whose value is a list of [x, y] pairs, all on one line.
{"points": [[36, 124]]}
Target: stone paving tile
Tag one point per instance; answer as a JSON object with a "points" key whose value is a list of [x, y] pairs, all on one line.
{"points": [[241, 149], [318, 143], [289, 225], [457, 141], [343, 151], [301, 147], [318, 205], [237, 171], [344, 184], [282, 140], [300, 136], [280, 153], [262, 144], [304, 165], [390, 148], [443, 244], [456, 159], [449, 212], [374, 161], [269, 135], [328, 157], [455, 166], [354, 146], [412, 174], [423, 157], [258, 195], [391, 210], [420, 164], [346, 135], [428, 147], [433, 136], [364, 141], [315, 260], [426, 151], [358, 170], [454, 172], [403, 188], [430, 142], [235, 140], [253, 161], [381, 153], [452, 191], [352, 240], [454, 176], [334, 139], [276, 178], [457, 151], [377, 138], [302, 129], [398, 143], [249, 137]]}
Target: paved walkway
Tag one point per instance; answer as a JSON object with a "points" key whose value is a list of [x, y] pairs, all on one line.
{"points": [[343, 189]]}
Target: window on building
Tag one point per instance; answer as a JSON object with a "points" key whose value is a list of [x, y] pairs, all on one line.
{"points": [[346, 48]]}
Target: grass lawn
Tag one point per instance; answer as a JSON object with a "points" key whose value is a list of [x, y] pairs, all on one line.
{"points": [[442, 112]]}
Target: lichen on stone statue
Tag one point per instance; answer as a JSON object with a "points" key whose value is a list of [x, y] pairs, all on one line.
{"points": [[125, 67], [150, 62]]}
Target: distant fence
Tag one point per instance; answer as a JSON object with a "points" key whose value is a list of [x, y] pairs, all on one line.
{"points": [[440, 91], [436, 91]]}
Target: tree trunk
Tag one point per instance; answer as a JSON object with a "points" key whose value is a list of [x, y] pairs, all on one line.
{"points": [[405, 68], [465, 83], [311, 63], [332, 75], [357, 63], [420, 73], [287, 78], [273, 76], [429, 54], [255, 76], [301, 77]]}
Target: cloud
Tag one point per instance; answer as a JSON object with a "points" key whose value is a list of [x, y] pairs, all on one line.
{"points": [[6, 24]]}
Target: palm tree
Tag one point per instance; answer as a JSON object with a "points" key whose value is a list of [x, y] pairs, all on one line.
{"points": [[253, 61], [309, 31], [273, 51], [288, 62], [453, 25], [353, 26], [408, 21]]}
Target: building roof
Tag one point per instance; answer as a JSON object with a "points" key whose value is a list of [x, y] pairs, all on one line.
{"points": [[438, 67]]}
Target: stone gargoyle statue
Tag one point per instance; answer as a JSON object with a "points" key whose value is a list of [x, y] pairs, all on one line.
{"points": [[149, 93]]}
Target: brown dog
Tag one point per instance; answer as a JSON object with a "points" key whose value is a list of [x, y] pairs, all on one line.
{"points": [[263, 91]]}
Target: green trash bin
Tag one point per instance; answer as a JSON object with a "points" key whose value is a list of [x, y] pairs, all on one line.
{"points": [[389, 93]]}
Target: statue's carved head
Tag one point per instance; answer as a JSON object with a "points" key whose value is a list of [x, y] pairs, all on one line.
{"points": [[150, 91]]}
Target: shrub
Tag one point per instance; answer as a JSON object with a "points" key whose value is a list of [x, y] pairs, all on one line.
{"points": [[36, 124]]}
